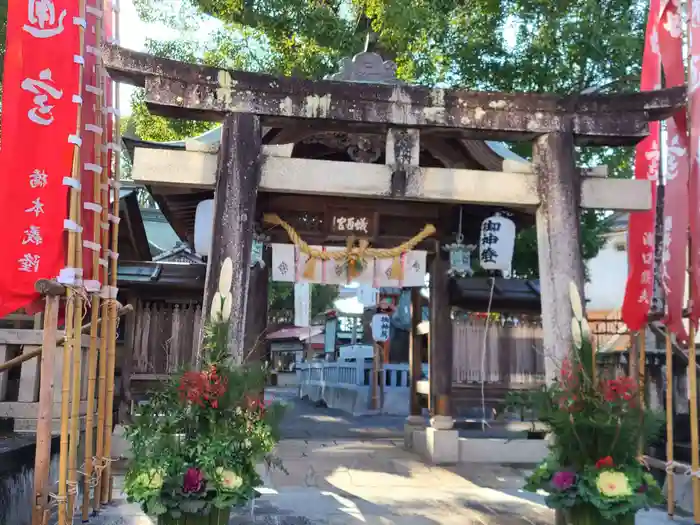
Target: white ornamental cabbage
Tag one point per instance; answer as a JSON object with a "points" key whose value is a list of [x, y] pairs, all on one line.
{"points": [[230, 481]]}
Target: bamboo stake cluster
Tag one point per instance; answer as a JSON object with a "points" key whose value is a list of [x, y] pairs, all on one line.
{"points": [[103, 489], [102, 349], [101, 196], [71, 348]]}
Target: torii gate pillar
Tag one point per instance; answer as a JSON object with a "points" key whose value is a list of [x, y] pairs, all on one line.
{"points": [[558, 241], [235, 196]]}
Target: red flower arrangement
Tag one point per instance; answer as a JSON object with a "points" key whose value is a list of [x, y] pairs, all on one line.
{"points": [[621, 389], [606, 462], [202, 387]]}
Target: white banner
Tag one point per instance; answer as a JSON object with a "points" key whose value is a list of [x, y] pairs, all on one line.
{"points": [[302, 304], [288, 265]]}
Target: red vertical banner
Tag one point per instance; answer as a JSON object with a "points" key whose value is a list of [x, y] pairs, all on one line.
{"points": [[694, 182], [670, 31], [40, 104], [640, 279]]}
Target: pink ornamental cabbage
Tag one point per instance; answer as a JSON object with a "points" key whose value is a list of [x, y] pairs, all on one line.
{"points": [[193, 480], [563, 480]]}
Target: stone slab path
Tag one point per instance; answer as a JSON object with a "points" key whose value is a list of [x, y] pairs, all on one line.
{"points": [[377, 482], [344, 470]]}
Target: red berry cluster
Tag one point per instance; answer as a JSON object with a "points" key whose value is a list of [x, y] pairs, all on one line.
{"points": [[202, 388]]}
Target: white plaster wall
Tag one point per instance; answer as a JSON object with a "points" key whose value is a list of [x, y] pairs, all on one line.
{"points": [[607, 273]]}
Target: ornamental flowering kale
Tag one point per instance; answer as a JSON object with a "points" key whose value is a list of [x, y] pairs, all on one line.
{"points": [[563, 480], [193, 481]]}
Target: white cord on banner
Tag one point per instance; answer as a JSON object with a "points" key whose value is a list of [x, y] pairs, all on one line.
{"points": [[484, 423], [95, 168], [71, 182], [94, 129], [92, 206], [94, 11], [72, 226]]}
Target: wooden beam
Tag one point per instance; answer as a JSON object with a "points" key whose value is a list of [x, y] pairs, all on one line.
{"points": [[348, 179], [177, 89], [558, 242], [235, 199]]}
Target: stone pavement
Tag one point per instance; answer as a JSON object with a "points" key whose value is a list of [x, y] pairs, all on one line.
{"points": [[342, 471]]}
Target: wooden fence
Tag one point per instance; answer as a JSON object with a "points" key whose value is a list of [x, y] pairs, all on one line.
{"points": [[164, 336], [513, 353]]}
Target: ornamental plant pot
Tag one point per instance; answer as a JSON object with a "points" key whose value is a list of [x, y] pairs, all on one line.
{"points": [[215, 517], [589, 515]]}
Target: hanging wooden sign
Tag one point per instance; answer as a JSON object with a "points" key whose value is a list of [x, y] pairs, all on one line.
{"points": [[343, 222]]}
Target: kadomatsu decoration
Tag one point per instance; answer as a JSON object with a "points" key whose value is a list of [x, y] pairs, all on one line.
{"points": [[197, 442], [594, 472]]}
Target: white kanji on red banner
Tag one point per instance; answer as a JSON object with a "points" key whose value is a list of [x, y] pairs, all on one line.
{"points": [[43, 88], [42, 19]]}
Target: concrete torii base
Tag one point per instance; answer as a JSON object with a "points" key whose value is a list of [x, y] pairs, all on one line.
{"points": [[438, 443]]}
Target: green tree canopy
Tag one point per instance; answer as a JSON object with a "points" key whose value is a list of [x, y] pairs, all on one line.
{"points": [[280, 297], [509, 45]]}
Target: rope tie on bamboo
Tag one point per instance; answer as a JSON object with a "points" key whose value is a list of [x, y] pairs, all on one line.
{"points": [[79, 292], [671, 466], [353, 255], [100, 464], [690, 473], [58, 500]]}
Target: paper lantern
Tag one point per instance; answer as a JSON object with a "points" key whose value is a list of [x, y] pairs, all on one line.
{"points": [[381, 327], [496, 244], [204, 227]]}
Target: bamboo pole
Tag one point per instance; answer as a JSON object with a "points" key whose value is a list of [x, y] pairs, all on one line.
{"points": [[76, 374], [112, 341], [694, 451], [101, 394], [106, 488], [74, 246], [42, 458], [97, 238], [670, 481], [641, 341], [641, 380], [16, 361]]}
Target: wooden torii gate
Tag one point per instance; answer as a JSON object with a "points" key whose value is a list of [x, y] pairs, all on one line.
{"points": [[552, 184]]}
